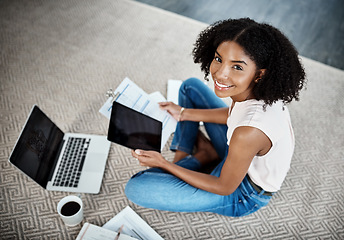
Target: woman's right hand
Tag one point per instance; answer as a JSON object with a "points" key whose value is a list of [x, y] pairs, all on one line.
{"points": [[172, 108]]}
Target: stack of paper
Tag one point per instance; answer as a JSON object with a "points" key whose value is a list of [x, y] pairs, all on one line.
{"points": [[92, 232], [134, 225], [131, 224], [131, 95]]}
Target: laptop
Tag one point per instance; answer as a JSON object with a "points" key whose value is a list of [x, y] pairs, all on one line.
{"points": [[134, 129], [59, 161]]}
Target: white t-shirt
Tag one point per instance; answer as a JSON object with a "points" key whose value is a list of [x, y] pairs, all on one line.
{"points": [[266, 171]]}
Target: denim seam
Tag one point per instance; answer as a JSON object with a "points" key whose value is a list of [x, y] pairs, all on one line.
{"points": [[180, 148], [223, 207]]}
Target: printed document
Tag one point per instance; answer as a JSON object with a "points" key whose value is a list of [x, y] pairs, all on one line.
{"points": [[134, 225], [132, 96], [92, 232]]}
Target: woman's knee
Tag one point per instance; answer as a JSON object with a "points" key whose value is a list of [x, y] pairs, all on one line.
{"points": [[188, 88], [189, 82]]}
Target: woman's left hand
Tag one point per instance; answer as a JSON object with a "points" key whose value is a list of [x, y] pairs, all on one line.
{"points": [[148, 158]]}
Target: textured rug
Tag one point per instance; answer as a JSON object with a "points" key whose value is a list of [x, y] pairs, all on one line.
{"points": [[64, 55]]}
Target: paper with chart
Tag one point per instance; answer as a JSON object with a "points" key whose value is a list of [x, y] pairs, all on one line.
{"points": [[134, 225], [131, 95]]}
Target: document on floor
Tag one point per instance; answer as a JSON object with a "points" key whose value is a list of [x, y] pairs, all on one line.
{"points": [[134, 225], [131, 95], [92, 232], [173, 90]]}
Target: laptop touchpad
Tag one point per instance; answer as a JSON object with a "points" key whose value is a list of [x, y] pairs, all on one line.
{"points": [[92, 164]]}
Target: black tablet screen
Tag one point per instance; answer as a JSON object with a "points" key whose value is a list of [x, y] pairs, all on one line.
{"points": [[133, 129]]}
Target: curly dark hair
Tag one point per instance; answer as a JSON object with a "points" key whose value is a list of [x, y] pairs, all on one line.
{"points": [[266, 46]]}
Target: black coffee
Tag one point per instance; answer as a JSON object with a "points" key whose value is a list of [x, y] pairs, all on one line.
{"points": [[70, 208]]}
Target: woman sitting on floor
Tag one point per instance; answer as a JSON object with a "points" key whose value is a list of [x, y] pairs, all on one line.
{"points": [[250, 143]]}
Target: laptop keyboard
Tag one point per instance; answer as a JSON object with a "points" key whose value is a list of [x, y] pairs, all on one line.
{"points": [[68, 174]]}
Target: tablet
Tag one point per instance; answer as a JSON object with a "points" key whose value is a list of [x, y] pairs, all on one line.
{"points": [[133, 129]]}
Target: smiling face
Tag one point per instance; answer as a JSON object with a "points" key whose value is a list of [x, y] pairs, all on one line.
{"points": [[233, 72]]}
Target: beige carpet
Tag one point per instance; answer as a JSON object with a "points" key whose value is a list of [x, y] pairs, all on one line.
{"points": [[64, 55]]}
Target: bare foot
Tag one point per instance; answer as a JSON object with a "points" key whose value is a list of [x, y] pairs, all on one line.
{"points": [[179, 155], [206, 152]]}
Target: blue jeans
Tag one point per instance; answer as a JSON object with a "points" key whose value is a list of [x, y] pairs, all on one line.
{"points": [[158, 189]]}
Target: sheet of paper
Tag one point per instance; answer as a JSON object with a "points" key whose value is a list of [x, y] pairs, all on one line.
{"points": [[157, 97], [131, 95], [93, 232], [134, 225], [106, 108], [173, 90]]}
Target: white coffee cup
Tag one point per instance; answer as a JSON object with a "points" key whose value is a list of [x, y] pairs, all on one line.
{"points": [[70, 209]]}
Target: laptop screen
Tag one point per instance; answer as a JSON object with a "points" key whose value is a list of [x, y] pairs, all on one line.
{"points": [[133, 129], [37, 147]]}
